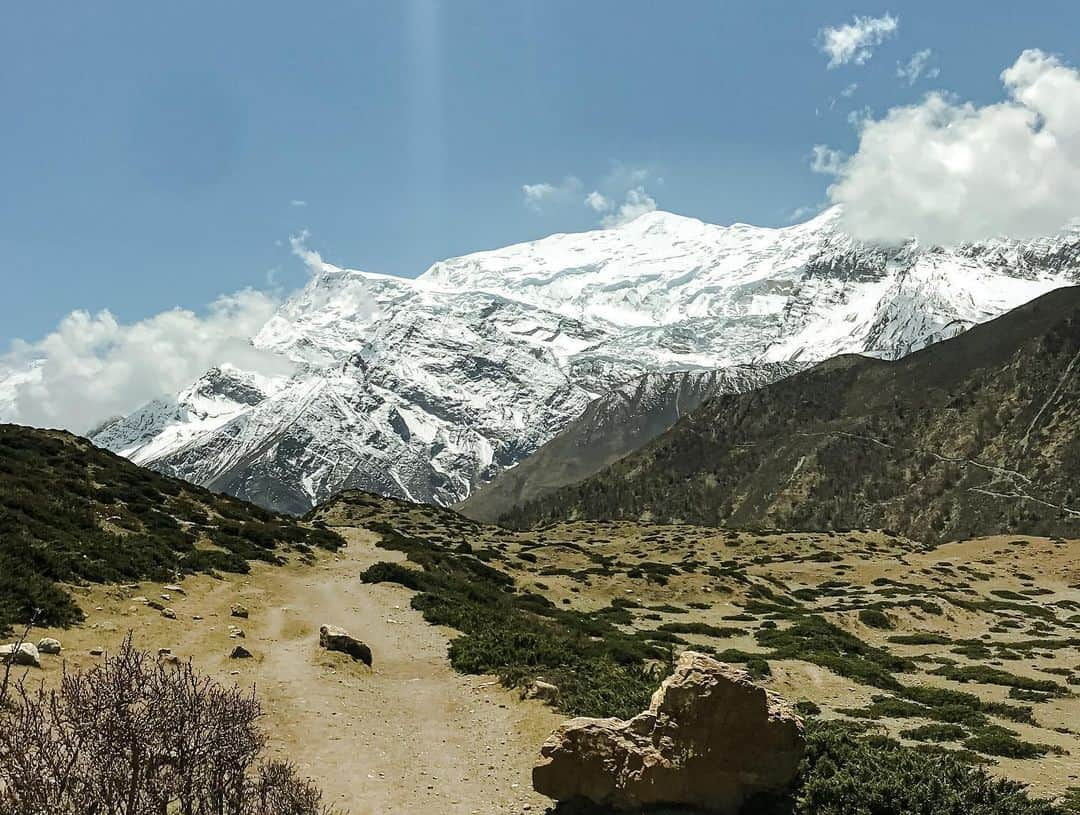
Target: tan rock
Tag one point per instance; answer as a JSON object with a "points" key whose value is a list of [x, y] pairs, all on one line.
{"points": [[711, 738], [544, 691], [333, 638], [25, 654]]}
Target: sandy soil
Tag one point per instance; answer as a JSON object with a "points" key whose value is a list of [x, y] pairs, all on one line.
{"points": [[409, 736]]}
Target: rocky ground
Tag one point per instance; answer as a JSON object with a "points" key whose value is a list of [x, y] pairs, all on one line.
{"points": [[998, 618]]}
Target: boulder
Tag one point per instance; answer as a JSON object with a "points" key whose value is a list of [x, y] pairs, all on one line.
{"points": [[239, 611], [539, 689], [333, 638], [240, 652], [710, 739], [48, 645], [25, 654]]}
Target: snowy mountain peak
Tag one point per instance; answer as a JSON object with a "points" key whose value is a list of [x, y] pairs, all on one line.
{"points": [[426, 388]]}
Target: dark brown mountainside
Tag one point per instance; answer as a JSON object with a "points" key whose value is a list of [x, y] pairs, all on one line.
{"points": [[976, 435], [613, 425]]}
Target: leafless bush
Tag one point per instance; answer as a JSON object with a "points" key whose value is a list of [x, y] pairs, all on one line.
{"points": [[134, 737]]}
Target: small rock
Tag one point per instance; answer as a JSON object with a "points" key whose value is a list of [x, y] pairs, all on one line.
{"points": [[96, 652], [25, 654], [174, 589], [169, 613], [239, 611], [155, 605], [48, 645], [240, 652], [544, 691], [333, 638]]}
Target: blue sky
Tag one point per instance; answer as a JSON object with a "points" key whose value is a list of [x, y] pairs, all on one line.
{"points": [[159, 155]]}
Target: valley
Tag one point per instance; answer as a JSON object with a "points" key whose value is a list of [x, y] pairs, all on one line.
{"points": [[971, 646]]}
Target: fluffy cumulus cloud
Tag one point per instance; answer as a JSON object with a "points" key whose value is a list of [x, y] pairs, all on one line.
{"points": [[93, 367], [636, 203], [598, 202], [949, 172], [855, 42], [619, 197], [539, 196], [825, 160], [918, 67]]}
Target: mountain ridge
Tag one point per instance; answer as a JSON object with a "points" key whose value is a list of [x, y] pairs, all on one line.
{"points": [[925, 445], [426, 389]]}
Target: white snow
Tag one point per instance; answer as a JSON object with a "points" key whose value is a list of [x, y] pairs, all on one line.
{"points": [[425, 388]]}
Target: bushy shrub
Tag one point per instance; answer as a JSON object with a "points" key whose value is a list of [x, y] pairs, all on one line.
{"points": [[133, 737]]}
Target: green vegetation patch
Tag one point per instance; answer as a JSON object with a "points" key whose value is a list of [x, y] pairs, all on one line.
{"points": [[599, 669], [73, 513]]}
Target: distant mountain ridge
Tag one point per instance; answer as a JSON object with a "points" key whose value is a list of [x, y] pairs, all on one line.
{"points": [[426, 389], [972, 436], [619, 422]]}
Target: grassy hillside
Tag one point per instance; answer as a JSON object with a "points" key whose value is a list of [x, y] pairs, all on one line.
{"points": [[976, 435], [71, 512]]}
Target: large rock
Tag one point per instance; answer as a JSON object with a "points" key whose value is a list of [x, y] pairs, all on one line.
{"points": [[710, 739], [25, 654], [48, 645], [333, 638]]}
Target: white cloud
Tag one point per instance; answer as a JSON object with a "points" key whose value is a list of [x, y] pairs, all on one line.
{"points": [[93, 367], [849, 91], [637, 203], [538, 196], [825, 160], [623, 183], [296, 202], [597, 201], [854, 42], [948, 172], [918, 67]]}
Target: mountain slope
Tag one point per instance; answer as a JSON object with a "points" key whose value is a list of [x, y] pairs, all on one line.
{"points": [[426, 389], [617, 423], [72, 512], [976, 435]]}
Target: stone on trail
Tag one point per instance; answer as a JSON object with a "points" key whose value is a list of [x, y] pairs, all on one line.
{"points": [[711, 739], [333, 638], [539, 689], [25, 654]]}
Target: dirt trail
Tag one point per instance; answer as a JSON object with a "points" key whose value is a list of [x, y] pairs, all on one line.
{"points": [[409, 736]]}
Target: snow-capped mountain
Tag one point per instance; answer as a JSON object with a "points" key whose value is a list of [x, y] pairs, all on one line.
{"points": [[426, 388]]}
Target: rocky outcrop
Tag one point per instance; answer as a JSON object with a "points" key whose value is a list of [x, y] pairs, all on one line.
{"points": [[333, 638], [710, 739]]}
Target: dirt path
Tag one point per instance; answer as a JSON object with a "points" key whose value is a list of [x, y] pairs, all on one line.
{"points": [[410, 736]]}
